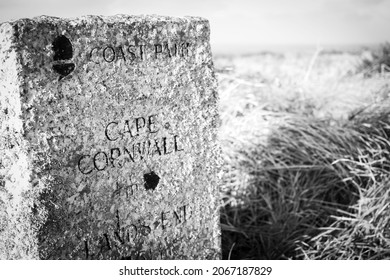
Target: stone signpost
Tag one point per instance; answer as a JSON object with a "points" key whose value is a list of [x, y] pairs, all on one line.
{"points": [[108, 139]]}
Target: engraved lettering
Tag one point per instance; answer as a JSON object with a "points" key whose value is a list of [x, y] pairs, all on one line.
{"points": [[131, 51], [104, 245], [181, 216], [131, 156], [184, 49], [152, 121], [167, 50], [157, 148], [92, 57], [95, 161], [120, 54], [112, 158], [127, 126], [176, 147], [82, 170], [109, 54], [163, 219], [138, 125], [165, 146], [141, 51], [142, 150], [117, 157], [107, 133], [125, 189], [157, 49], [86, 249], [174, 53]]}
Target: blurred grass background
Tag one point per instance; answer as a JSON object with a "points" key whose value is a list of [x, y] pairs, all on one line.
{"points": [[305, 140]]}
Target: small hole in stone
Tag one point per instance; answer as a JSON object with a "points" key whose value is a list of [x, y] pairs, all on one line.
{"points": [[63, 69], [62, 48], [151, 180]]}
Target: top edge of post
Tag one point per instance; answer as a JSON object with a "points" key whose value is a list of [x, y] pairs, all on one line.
{"points": [[119, 18]]}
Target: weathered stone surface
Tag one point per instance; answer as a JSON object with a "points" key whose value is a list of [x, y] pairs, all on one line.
{"points": [[108, 139]]}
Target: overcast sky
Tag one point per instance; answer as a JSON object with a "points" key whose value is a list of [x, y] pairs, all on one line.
{"points": [[242, 25]]}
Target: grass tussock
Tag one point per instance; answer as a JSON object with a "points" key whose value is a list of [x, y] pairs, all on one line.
{"points": [[300, 183], [315, 189]]}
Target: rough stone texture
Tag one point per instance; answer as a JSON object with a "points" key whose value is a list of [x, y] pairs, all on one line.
{"points": [[108, 139]]}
